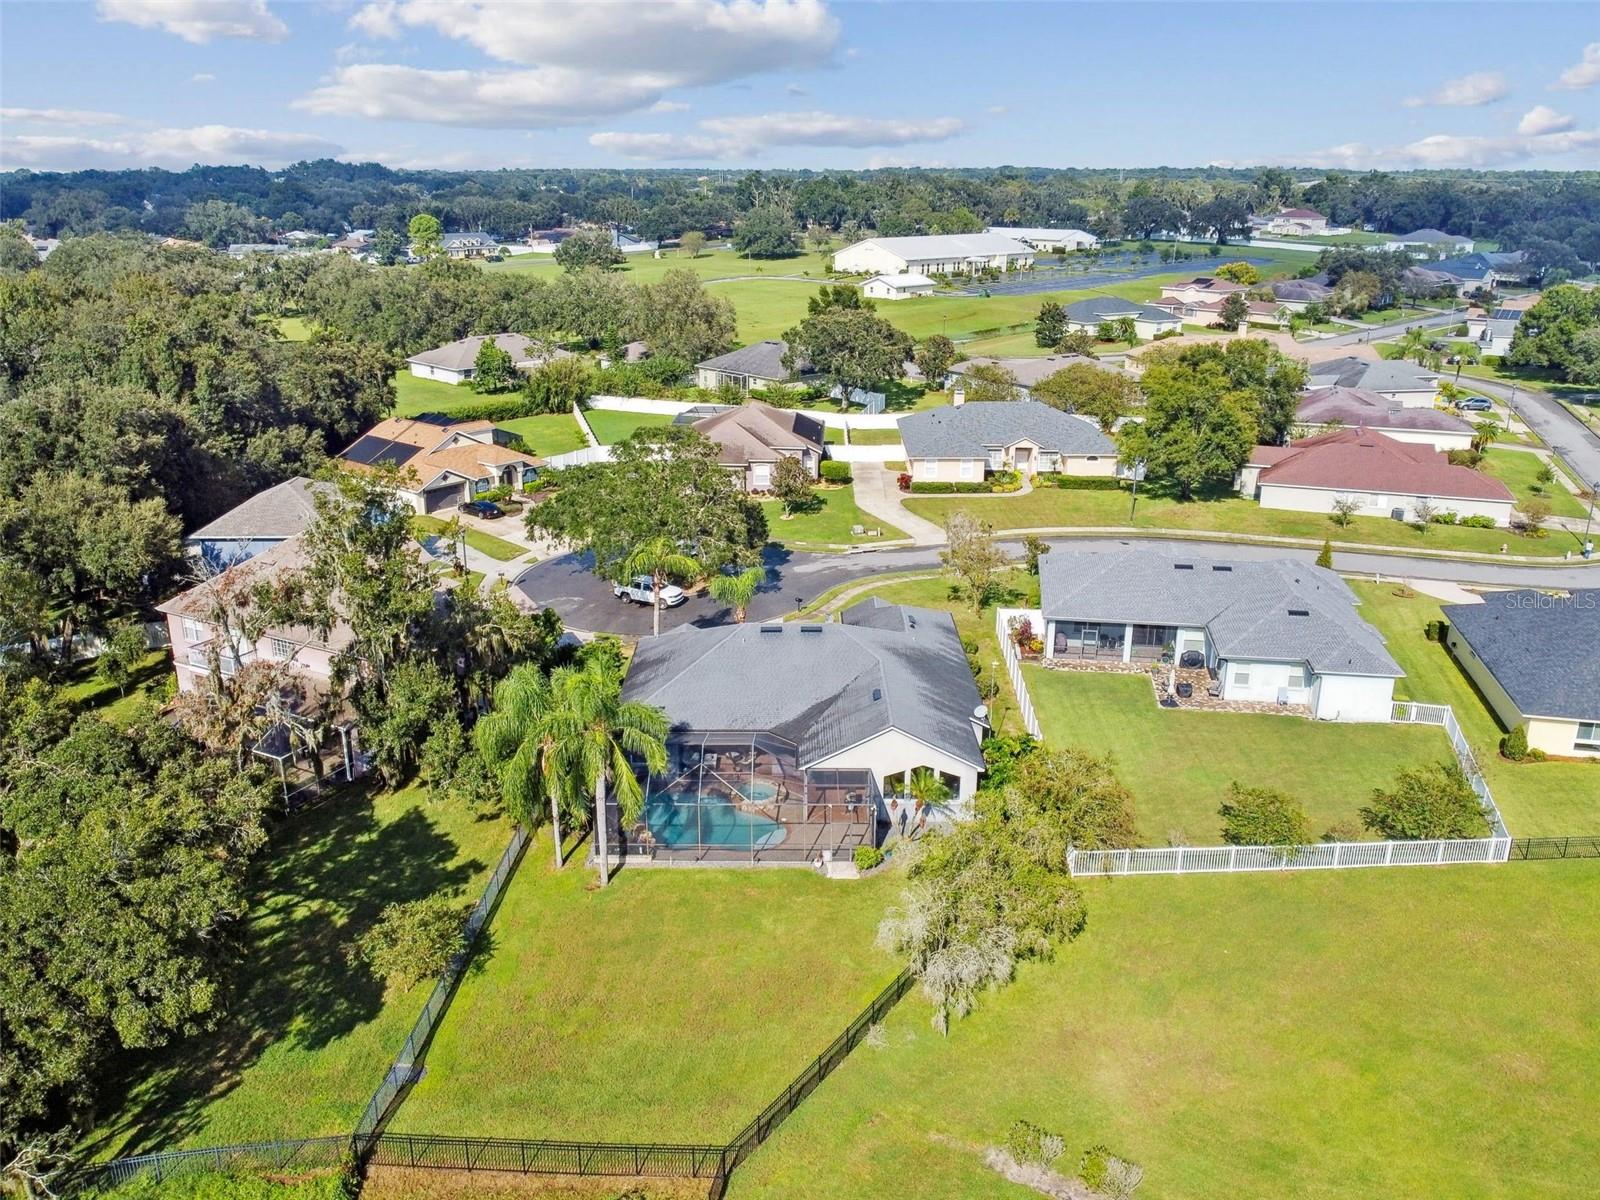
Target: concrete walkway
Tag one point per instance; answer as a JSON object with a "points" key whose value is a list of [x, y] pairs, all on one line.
{"points": [[878, 494]]}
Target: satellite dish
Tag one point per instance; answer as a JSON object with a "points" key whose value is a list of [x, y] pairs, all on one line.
{"points": [[981, 713]]}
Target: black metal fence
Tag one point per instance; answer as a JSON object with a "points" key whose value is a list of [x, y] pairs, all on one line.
{"points": [[295, 1154], [663, 1161], [1538, 849]]}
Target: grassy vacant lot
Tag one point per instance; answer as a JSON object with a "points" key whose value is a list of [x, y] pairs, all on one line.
{"points": [[1517, 469], [828, 523], [1179, 764], [611, 426], [1357, 1035], [414, 395], [306, 1035], [548, 433], [668, 1007], [494, 547], [1048, 507], [1535, 799]]}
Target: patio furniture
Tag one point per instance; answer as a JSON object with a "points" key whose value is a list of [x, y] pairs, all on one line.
{"points": [[1185, 690], [1192, 659]]}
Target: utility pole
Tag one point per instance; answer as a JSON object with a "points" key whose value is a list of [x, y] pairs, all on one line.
{"points": [[1588, 546], [1137, 473]]}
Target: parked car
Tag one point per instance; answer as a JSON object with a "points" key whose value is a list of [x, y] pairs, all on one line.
{"points": [[641, 590], [1474, 404], [487, 509]]}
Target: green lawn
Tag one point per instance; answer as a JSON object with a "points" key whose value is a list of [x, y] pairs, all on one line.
{"points": [[306, 1036], [670, 1006], [414, 395], [874, 437], [612, 426], [1326, 1035], [1535, 799], [548, 433], [827, 524], [766, 307], [832, 435], [709, 265], [1517, 468], [1047, 507], [494, 547], [1179, 764], [294, 329], [85, 691]]}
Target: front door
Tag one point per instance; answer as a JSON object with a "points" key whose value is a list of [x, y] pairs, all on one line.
{"points": [[1089, 642], [1023, 457]]}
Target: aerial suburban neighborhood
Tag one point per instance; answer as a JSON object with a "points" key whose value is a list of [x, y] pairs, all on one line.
{"points": [[786, 598]]}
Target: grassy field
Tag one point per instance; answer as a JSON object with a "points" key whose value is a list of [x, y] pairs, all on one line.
{"points": [[488, 543], [874, 437], [306, 1035], [414, 395], [85, 691], [1337, 1035], [1179, 764], [829, 523], [710, 264], [1048, 507], [766, 307], [1516, 469], [611, 426], [669, 1007], [1535, 799], [294, 329], [548, 433]]}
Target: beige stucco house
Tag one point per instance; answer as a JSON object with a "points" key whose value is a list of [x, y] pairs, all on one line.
{"points": [[964, 442]]}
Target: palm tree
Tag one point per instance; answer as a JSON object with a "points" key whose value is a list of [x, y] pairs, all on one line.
{"points": [[925, 786], [661, 559], [1413, 343], [737, 591], [515, 739]]}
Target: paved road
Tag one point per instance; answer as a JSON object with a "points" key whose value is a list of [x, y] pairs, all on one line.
{"points": [[1376, 333], [586, 603], [1562, 432]]}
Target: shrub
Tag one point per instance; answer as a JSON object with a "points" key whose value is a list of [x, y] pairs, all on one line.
{"points": [[1515, 744], [867, 857], [904, 481], [1262, 817], [1092, 1166], [1434, 631], [1027, 1143], [835, 472], [413, 940], [1464, 458], [1021, 630], [1444, 518], [944, 488], [1428, 802], [1005, 481], [1080, 483], [1478, 522]]}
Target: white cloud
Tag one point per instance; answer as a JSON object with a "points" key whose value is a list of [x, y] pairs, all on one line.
{"points": [[794, 89], [176, 149], [573, 62], [747, 137], [1583, 74], [881, 162], [203, 77], [59, 116], [1453, 150], [995, 110], [199, 21], [668, 106], [1541, 119], [1469, 91]]}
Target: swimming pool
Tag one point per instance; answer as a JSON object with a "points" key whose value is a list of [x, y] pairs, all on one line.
{"points": [[685, 819]]}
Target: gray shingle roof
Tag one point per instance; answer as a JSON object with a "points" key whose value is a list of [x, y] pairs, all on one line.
{"points": [[1308, 290], [967, 430], [1248, 607], [282, 511], [462, 354], [1108, 308], [1383, 375], [1431, 237], [759, 360], [824, 687], [1543, 650], [1355, 406], [1030, 369]]}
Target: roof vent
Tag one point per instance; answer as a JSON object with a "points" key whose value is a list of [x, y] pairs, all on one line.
{"points": [[1214, 567], [877, 693], [1183, 566], [811, 629], [772, 629], [1299, 612]]}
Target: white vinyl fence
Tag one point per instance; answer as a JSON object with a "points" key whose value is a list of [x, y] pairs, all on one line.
{"points": [[1317, 856]]}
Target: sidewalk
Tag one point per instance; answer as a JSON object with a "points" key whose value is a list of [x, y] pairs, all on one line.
{"points": [[878, 494]]}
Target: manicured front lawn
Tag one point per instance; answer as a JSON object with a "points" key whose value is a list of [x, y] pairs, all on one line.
{"points": [[494, 547], [1047, 507], [874, 437], [548, 433], [1550, 799], [670, 1006], [612, 426], [1179, 764], [1332, 1035], [306, 1036], [1517, 470], [829, 523]]}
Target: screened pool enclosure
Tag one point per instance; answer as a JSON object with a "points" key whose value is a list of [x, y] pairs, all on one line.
{"points": [[744, 796]]}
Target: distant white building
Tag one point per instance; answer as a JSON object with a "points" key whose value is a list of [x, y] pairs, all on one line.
{"points": [[934, 254], [457, 361], [897, 287], [1492, 332], [1047, 239]]}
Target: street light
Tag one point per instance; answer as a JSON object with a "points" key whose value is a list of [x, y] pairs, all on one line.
{"points": [[1136, 473]]}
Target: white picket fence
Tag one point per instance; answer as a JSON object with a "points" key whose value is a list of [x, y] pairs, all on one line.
{"points": [[1317, 856]]}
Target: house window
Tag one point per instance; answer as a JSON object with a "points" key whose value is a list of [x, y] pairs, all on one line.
{"points": [[1588, 736], [997, 459], [194, 631], [1241, 677], [1297, 677], [966, 468], [927, 467], [281, 649]]}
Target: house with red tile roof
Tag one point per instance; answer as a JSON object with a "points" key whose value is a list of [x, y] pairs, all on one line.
{"points": [[1383, 477], [442, 463], [1200, 289]]}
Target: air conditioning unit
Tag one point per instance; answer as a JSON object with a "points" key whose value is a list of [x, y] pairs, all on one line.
{"points": [[1399, 514]]}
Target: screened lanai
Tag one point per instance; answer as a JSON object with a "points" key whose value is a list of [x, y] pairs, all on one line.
{"points": [[743, 795]]}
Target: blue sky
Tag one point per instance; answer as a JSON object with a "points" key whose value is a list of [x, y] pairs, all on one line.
{"points": [[783, 83]]}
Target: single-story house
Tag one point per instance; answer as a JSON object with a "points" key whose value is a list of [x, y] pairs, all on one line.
{"points": [[1209, 312], [1392, 378], [265, 520], [1202, 288], [457, 361], [1297, 295], [1536, 657], [468, 245], [1290, 221], [1429, 242], [758, 365], [1493, 331], [357, 241], [1423, 281], [933, 254], [898, 287], [960, 443], [752, 438], [1470, 273], [632, 352], [1027, 371], [442, 462], [785, 738], [250, 249], [1269, 630], [1324, 409], [1148, 320], [1045, 240], [1384, 477]]}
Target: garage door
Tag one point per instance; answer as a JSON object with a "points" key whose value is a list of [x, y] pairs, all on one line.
{"points": [[436, 499]]}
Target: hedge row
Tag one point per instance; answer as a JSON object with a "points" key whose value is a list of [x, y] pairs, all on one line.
{"points": [[1085, 483]]}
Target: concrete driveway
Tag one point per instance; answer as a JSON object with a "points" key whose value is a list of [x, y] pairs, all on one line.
{"points": [[877, 493]]}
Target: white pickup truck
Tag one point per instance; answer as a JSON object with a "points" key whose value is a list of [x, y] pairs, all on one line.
{"points": [[641, 590]]}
